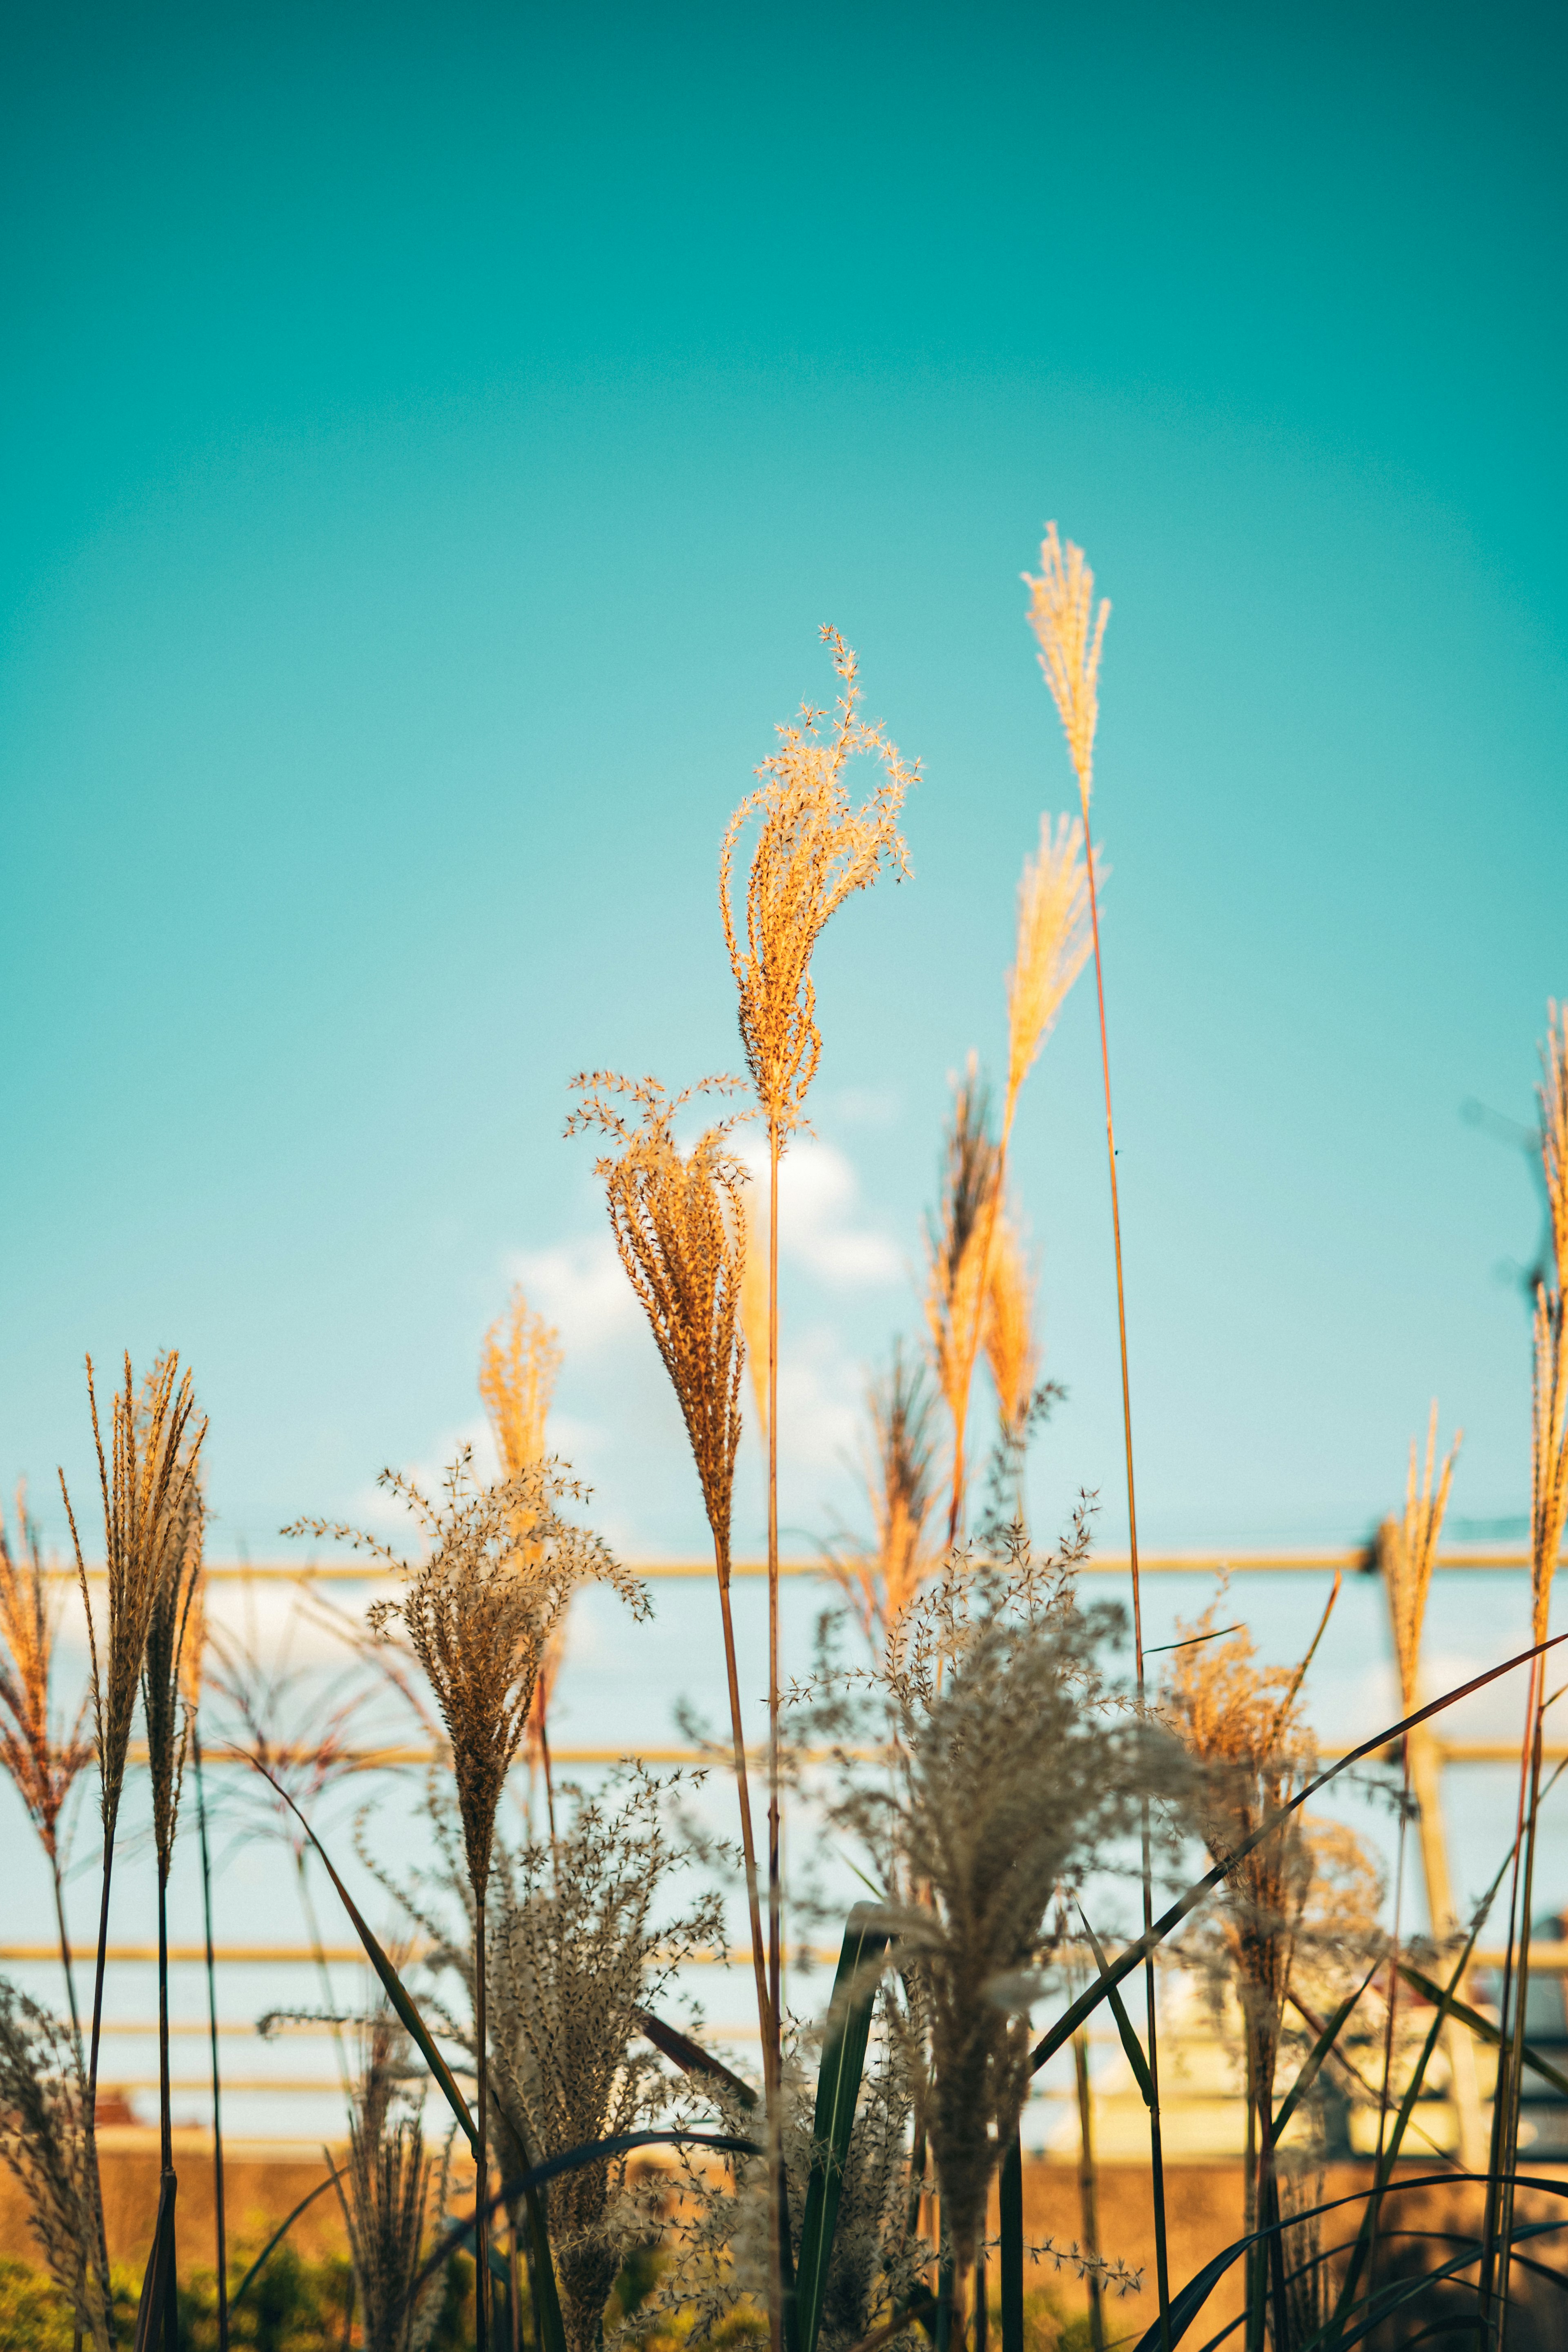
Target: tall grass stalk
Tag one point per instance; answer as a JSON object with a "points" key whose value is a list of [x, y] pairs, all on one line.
{"points": [[498, 1569], [1071, 631], [679, 1229], [43, 1757], [812, 852], [146, 1484], [1549, 1510]]}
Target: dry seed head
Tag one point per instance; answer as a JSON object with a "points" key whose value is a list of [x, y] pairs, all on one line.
{"points": [[385, 2193], [1408, 1550], [42, 1758], [900, 1469], [44, 2139], [1012, 1350], [517, 1371], [1063, 617], [581, 1939], [146, 1487], [1054, 942], [166, 1701], [679, 1227], [479, 1610], [812, 852], [956, 1245]]}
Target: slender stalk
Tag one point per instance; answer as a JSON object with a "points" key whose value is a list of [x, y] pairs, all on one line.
{"points": [[219, 2215], [748, 1845], [775, 1920], [1089, 2189], [545, 1760], [1516, 2068], [66, 1948], [481, 2152], [323, 1973], [1010, 2230], [92, 2050], [1162, 2255], [1384, 2105], [1500, 2092]]}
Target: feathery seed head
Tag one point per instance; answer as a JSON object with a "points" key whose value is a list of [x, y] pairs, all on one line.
{"points": [[1014, 1768], [957, 1243], [1552, 1095], [1012, 1350], [385, 2193], [899, 1467], [166, 1702], [679, 1227], [146, 1483], [1070, 632], [500, 1567], [1407, 1550], [812, 852], [45, 2140], [1054, 942], [754, 1302], [581, 1942], [42, 1756], [518, 1372]]}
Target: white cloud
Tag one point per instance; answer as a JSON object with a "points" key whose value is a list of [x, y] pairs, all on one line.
{"points": [[819, 1222], [581, 1286]]}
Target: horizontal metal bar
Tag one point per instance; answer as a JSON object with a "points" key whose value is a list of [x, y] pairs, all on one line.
{"points": [[1181, 1563]]}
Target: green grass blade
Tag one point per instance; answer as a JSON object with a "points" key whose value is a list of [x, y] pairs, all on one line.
{"points": [[1320, 2051], [1478, 2024], [838, 2088], [392, 1983], [1134, 1954], [1129, 2042]]}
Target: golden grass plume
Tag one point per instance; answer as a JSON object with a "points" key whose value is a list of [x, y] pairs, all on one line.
{"points": [[1408, 1551], [1012, 1346], [1070, 632], [166, 1703], [519, 1366], [1054, 943], [901, 1469], [813, 851], [42, 1755], [146, 1483], [679, 1227], [45, 2140]]}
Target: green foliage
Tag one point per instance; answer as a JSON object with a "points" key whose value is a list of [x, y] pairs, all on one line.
{"points": [[294, 2307]]}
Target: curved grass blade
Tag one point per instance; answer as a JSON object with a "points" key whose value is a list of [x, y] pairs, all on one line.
{"points": [[1131, 2045], [690, 2056], [573, 2160], [1478, 2025], [392, 1983], [157, 2280], [1190, 2301], [839, 2076], [1318, 2052], [1133, 1955], [275, 2239]]}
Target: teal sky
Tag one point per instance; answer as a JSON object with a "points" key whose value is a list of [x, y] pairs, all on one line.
{"points": [[432, 438]]}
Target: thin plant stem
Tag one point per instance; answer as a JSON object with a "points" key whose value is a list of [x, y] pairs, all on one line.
{"points": [[1088, 2187], [775, 1925], [219, 2215], [1383, 2104], [1516, 2069], [482, 2150], [1504, 2066], [65, 1949], [98, 1973], [748, 1845], [1161, 2254]]}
